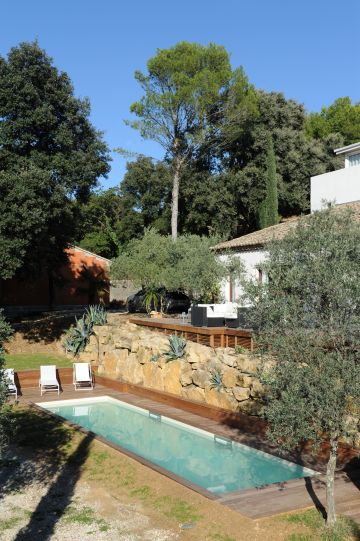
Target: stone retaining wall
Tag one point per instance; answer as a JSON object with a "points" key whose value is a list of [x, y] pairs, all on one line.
{"points": [[133, 354]]}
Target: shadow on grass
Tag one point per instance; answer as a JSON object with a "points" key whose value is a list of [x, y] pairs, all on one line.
{"points": [[43, 445], [54, 503]]}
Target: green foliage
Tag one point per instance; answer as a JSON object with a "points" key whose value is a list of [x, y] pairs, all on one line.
{"points": [[341, 117], [153, 298], [345, 528], [5, 420], [155, 261], [240, 349], [102, 221], [50, 157], [216, 380], [96, 315], [269, 208], [177, 348], [308, 317], [183, 92], [77, 337]]}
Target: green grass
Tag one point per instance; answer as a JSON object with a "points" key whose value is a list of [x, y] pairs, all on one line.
{"points": [[344, 529], [27, 361]]}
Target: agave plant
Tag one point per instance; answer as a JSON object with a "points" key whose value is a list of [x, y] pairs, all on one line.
{"points": [[77, 337], [216, 380], [96, 315], [177, 347]]}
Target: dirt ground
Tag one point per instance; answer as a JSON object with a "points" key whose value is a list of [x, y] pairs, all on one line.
{"points": [[57, 484]]}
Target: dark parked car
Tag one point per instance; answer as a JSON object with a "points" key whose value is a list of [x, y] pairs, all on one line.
{"points": [[175, 302]]}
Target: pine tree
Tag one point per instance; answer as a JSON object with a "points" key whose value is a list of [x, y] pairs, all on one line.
{"points": [[269, 208]]}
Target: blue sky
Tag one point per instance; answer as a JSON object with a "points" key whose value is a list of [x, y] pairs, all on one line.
{"points": [[306, 49]]}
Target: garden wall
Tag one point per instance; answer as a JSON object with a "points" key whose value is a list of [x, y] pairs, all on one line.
{"points": [[133, 354]]}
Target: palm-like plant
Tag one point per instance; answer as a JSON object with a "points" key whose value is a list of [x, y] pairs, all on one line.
{"points": [[97, 284]]}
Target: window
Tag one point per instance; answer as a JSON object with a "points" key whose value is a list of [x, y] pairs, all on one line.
{"points": [[354, 159]]}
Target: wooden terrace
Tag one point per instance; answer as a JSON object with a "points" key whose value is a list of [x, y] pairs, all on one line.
{"points": [[253, 503], [215, 337]]}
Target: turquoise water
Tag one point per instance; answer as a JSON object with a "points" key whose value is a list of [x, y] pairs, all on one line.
{"points": [[215, 464]]}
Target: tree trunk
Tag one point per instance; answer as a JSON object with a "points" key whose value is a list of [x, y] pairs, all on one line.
{"points": [[175, 198], [330, 475]]}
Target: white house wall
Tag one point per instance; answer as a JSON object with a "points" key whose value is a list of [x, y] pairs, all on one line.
{"points": [[342, 186], [251, 259]]}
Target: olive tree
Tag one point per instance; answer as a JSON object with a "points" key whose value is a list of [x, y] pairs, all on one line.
{"points": [[156, 261], [5, 333], [307, 316]]}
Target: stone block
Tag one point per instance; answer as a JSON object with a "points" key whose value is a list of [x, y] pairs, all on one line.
{"points": [[153, 377], [201, 378], [241, 393], [220, 399], [245, 380], [191, 392], [171, 377], [248, 364], [186, 374], [230, 377]]}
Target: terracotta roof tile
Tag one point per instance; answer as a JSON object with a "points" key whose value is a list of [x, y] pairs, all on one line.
{"points": [[263, 236]]}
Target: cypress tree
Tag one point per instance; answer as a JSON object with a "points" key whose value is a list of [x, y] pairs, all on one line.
{"points": [[269, 208]]}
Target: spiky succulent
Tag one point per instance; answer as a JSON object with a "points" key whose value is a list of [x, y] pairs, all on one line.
{"points": [[177, 345]]}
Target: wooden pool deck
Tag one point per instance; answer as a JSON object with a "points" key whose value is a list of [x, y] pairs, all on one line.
{"points": [[253, 503]]}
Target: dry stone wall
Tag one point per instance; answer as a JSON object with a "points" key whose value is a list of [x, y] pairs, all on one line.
{"points": [[134, 354]]}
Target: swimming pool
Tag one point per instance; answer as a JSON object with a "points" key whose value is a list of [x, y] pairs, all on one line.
{"points": [[214, 463]]}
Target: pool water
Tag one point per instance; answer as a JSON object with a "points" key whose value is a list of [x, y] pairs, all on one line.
{"points": [[216, 464]]}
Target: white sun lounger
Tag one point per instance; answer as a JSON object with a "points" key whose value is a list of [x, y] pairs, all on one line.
{"points": [[48, 380], [10, 381], [82, 377]]}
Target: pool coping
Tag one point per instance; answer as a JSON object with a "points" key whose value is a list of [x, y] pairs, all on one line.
{"points": [[220, 498]]}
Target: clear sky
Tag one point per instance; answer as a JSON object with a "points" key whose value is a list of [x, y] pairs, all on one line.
{"points": [[306, 49]]}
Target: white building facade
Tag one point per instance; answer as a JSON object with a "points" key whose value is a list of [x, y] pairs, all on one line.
{"points": [[338, 187]]}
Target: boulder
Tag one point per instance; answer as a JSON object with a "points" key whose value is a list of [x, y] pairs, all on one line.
{"points": [[241, 393], [201, 378], [122, 341], [226, 358], [132, 371], [186, 374], [248, 364], [153, 377], [112, 359], [230, 377], [220, 399], [191, 392], [143, 355], [245, 380], [171, 377], [199, 352]]}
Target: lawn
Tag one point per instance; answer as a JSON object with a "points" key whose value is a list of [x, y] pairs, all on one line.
{"points": [[27, 361], [57, 481]]}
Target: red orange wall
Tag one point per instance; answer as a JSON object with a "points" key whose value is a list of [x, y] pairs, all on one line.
{"points": [[35, 292]]}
